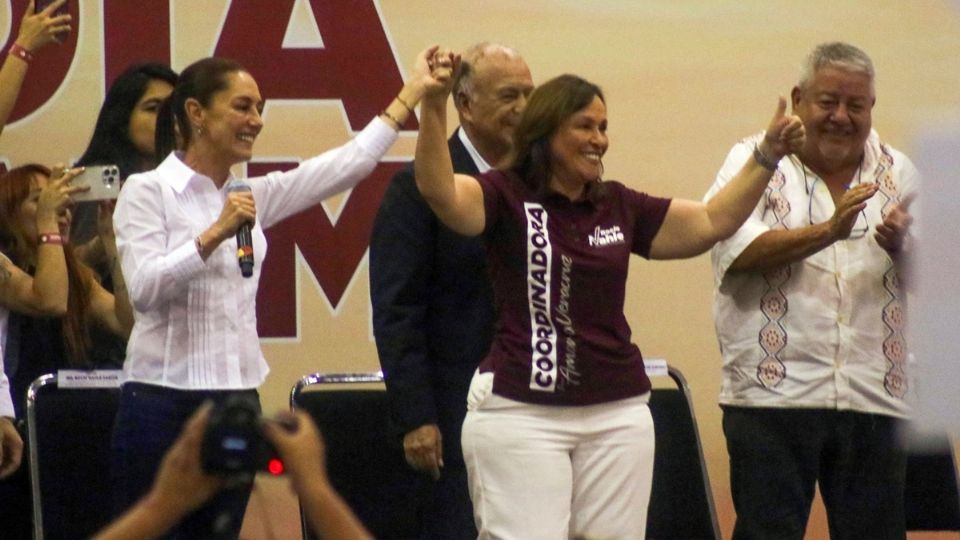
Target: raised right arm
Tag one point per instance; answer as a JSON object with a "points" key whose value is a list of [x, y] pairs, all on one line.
{"points": [[456, 199], [46, 292], [36, 30]]}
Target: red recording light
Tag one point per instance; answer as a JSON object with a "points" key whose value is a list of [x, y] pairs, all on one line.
{"points": [[275, 467]]}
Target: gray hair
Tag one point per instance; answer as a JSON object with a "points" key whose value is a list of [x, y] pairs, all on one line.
{"points": [[470, 58], [835, 54]]}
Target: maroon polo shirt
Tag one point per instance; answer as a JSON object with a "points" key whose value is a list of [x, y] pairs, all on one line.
{"points": [[559, 272]]}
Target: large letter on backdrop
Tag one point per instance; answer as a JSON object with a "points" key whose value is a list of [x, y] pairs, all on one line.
{"points": [[356, 65], [134, 32], [332, 251]]}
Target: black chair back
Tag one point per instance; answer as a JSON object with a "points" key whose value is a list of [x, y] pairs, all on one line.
{"points": [[364, 461], [69, 432], [681, 502]]}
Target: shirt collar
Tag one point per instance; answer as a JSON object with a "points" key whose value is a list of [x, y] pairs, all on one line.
{"points": [[592, 194], [179, 175], [478, 160], [871, 151]]}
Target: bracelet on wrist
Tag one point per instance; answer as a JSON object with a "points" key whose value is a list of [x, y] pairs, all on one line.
{"points": [[52, 238], [392, 118], [21, 53], [405, 104], [763, 160]]}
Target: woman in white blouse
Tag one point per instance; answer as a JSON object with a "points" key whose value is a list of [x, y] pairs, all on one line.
{"points": [[195, 335]]}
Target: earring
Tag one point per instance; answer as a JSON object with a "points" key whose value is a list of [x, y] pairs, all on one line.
{"points": [[199, 130]]}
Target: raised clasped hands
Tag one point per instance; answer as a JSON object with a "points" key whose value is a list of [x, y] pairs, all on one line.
{"points": [[40, 29], [785, 135], [441, 68]]}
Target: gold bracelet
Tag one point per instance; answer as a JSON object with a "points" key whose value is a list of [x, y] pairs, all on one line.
{"points": [[392, 118], [404, 103]]}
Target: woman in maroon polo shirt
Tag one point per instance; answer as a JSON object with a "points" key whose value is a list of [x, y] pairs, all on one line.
{"points": [[558, 439]]}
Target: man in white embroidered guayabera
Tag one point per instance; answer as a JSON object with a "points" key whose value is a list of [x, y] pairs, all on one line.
{"points": [[809, 315]]}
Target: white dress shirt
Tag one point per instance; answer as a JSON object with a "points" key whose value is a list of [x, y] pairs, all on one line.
{"points": [[826, 331], [482, 165], [195, 320]]}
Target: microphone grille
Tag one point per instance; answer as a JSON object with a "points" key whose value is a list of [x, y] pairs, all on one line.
{"points": [[238, 185]]}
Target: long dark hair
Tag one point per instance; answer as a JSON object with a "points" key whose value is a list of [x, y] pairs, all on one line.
{"points": [[200, 81], [110, 143], [15, 187], [550, 105]]}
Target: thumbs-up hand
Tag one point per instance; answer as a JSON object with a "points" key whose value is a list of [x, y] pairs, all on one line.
{"points": [[785, 134], [896, 224]]}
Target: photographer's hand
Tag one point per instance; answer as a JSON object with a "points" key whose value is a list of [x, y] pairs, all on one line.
{"points": [[180, 487], [298, 442]]}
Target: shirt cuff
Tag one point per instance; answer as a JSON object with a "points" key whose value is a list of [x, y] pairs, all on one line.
{"points": [[376, 138]]}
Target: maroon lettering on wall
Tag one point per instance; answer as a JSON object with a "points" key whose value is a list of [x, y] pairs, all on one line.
{"points": [[356, 64], [134, 32], [332, 251], [52, 63]]}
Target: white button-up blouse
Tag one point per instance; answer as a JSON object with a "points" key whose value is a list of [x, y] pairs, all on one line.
{"points": [[195, 321]]}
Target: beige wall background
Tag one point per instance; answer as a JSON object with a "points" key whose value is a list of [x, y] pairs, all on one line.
{"points": [[684, 80]]}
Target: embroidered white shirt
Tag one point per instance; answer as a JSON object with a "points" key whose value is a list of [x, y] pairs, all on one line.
{"points": [[195, 320], [827, 331]]}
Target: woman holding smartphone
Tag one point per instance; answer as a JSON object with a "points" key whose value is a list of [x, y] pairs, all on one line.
{"points": [[50, 303], [195, 335]]}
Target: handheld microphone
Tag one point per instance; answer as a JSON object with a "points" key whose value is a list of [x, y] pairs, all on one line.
{"points": [[244, 237]]}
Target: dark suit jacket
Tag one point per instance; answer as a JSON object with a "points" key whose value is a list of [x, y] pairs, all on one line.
{"points": [[433, 310]]}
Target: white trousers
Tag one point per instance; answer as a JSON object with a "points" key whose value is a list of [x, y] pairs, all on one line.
{"points": [[554, 473]]}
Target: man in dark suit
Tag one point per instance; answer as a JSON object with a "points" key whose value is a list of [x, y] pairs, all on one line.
{"points": [[433, 311]]}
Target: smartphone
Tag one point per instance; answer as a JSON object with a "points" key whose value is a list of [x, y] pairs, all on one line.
{"points": [[104, 182], [40, 5]]}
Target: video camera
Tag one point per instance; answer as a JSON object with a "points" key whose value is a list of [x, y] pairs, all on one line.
{"points": [[234, 444]]}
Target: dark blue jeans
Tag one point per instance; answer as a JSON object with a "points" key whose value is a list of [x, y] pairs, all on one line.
{"points": [[777, 456], [149, 420]]}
